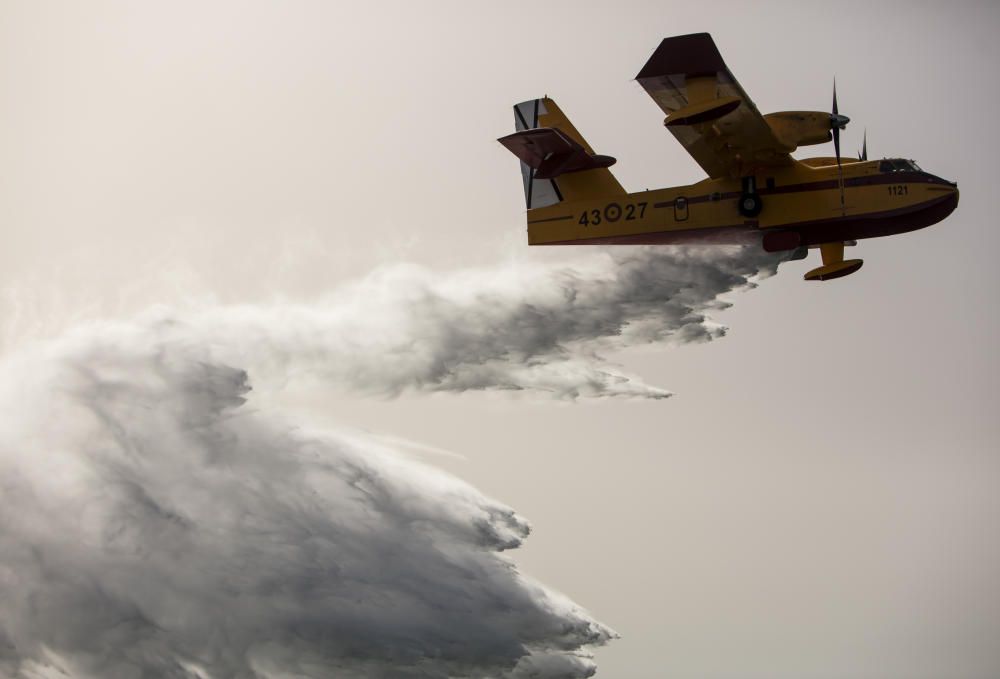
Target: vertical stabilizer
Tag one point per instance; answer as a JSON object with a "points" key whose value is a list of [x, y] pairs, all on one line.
{"points": [[584, 176]]}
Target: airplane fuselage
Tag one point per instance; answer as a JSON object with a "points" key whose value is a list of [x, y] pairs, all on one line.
{"points": [[800, 205]]}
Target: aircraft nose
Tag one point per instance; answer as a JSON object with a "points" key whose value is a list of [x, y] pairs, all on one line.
{"points": [[934, 179], [951, 198]]}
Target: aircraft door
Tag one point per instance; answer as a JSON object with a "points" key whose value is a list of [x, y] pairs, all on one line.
{"points": [[680, 209]]}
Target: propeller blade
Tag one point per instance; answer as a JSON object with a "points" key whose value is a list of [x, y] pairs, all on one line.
{"points": [[837, 123], [864, 147]]}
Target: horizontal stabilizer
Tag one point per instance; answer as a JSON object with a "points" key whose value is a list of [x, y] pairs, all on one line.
{"points": [[551, 153]]}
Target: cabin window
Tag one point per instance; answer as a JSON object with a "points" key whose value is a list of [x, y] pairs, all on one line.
{"points": [[898, 165]]}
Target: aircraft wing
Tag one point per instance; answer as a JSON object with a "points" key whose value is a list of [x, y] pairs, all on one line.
{"points": [[707, 110]]}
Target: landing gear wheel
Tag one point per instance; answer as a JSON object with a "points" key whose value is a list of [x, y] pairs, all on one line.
{"points": [[750, 204]]}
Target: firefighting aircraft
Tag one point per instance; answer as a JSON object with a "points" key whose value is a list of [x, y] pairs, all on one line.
{"points": [[755, 191]]}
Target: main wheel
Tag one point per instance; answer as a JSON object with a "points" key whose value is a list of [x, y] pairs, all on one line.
{"points": [[750, 204]]}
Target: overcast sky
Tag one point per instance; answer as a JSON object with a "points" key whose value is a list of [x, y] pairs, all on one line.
{"points": [[819, 498]]}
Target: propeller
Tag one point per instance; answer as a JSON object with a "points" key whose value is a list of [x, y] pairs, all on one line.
{"points": [[863, 155], [838, 123]]}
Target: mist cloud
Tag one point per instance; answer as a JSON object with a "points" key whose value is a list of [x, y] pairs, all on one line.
{"points": [[528, 327], [155, 523]]}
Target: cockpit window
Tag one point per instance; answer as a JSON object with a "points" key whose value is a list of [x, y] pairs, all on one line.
{"points": [[898, 165]]}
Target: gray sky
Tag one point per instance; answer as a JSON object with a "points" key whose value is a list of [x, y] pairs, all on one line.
{"points": [[819, 499]]}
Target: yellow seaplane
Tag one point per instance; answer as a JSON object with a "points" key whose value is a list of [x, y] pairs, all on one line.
{"points": [[756, 192]]}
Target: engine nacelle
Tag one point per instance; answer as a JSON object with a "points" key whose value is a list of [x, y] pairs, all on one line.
{"points": [[800, 128]]}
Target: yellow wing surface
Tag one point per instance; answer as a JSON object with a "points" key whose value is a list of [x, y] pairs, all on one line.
{"points": [[707, 110]]}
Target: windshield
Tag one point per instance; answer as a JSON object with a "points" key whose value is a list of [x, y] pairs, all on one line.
{"points": [[898, 165]]}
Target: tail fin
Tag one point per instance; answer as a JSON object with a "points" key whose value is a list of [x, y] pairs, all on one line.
{"points": [[557, 164]]}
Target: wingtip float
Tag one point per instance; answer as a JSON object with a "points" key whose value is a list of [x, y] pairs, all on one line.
{"points": [[756, 192]]}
